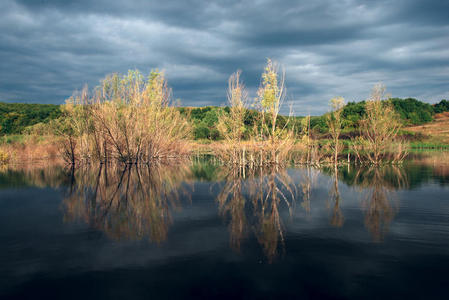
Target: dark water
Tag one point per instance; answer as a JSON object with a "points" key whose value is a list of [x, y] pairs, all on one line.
{"points": [[202, 231]]}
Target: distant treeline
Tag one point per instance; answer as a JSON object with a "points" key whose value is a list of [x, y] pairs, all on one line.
{"points": [[411, 111], [205, 121], [17, 118]]}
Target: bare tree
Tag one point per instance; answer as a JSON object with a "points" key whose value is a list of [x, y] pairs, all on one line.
{"points": [[334, 123], [271, 94], [379, 130], [231, 125]]}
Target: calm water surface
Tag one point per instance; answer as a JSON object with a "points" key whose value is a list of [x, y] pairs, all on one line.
{"points": [[199, 230]]}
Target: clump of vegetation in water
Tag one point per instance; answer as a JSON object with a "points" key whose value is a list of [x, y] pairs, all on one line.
{"points": [[126, 119], [269, 142], [231, 123], [379, 129]]}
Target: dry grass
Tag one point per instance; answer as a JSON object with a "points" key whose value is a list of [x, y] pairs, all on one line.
{"points": [[309, 152], [438, 129], [32, 149]]}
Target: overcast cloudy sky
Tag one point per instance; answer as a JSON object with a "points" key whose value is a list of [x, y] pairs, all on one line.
{"points": [[328, 48]]}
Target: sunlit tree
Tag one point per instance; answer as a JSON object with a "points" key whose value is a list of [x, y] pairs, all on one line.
{"points": [[334, 122]]}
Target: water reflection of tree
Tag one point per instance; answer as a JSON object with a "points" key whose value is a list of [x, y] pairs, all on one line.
{"points": [[337, 217], [126, 202], [307, 182], [252, 198], [232, 202], [378, 185], [35, 175]]}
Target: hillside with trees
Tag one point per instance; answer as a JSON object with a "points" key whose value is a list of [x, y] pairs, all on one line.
{"points": [[16, 117]]}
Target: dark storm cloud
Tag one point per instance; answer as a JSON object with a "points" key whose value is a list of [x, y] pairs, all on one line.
{"points": [[328, 48]]}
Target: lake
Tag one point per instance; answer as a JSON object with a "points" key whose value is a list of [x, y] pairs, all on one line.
{"points": [[201, 230]]}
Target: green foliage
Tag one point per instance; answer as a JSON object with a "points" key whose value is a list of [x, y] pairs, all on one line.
{"points": [[271, 90], [12, 139], [251, 117], [410, 110], [205, 171], [214, 134], [210, 118], [319, 124], [19, 118], [15, 117], [201, 131], [352, 113], [413, 111], [442, 106], [204, 121]]}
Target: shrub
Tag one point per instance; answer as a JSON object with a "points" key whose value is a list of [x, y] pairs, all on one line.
{"points": [[442, 106], [128, 118], [4, 157], [379, 129], [201, 131]]}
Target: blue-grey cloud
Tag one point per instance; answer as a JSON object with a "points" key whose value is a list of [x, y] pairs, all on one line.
{"points": [[50, 48]]}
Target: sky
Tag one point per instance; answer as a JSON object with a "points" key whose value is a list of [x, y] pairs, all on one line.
{"points": [[327, 48]]}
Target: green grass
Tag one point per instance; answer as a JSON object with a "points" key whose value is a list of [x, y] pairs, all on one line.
{"points": [[429, 146], [22, 139], [12, 139]]}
